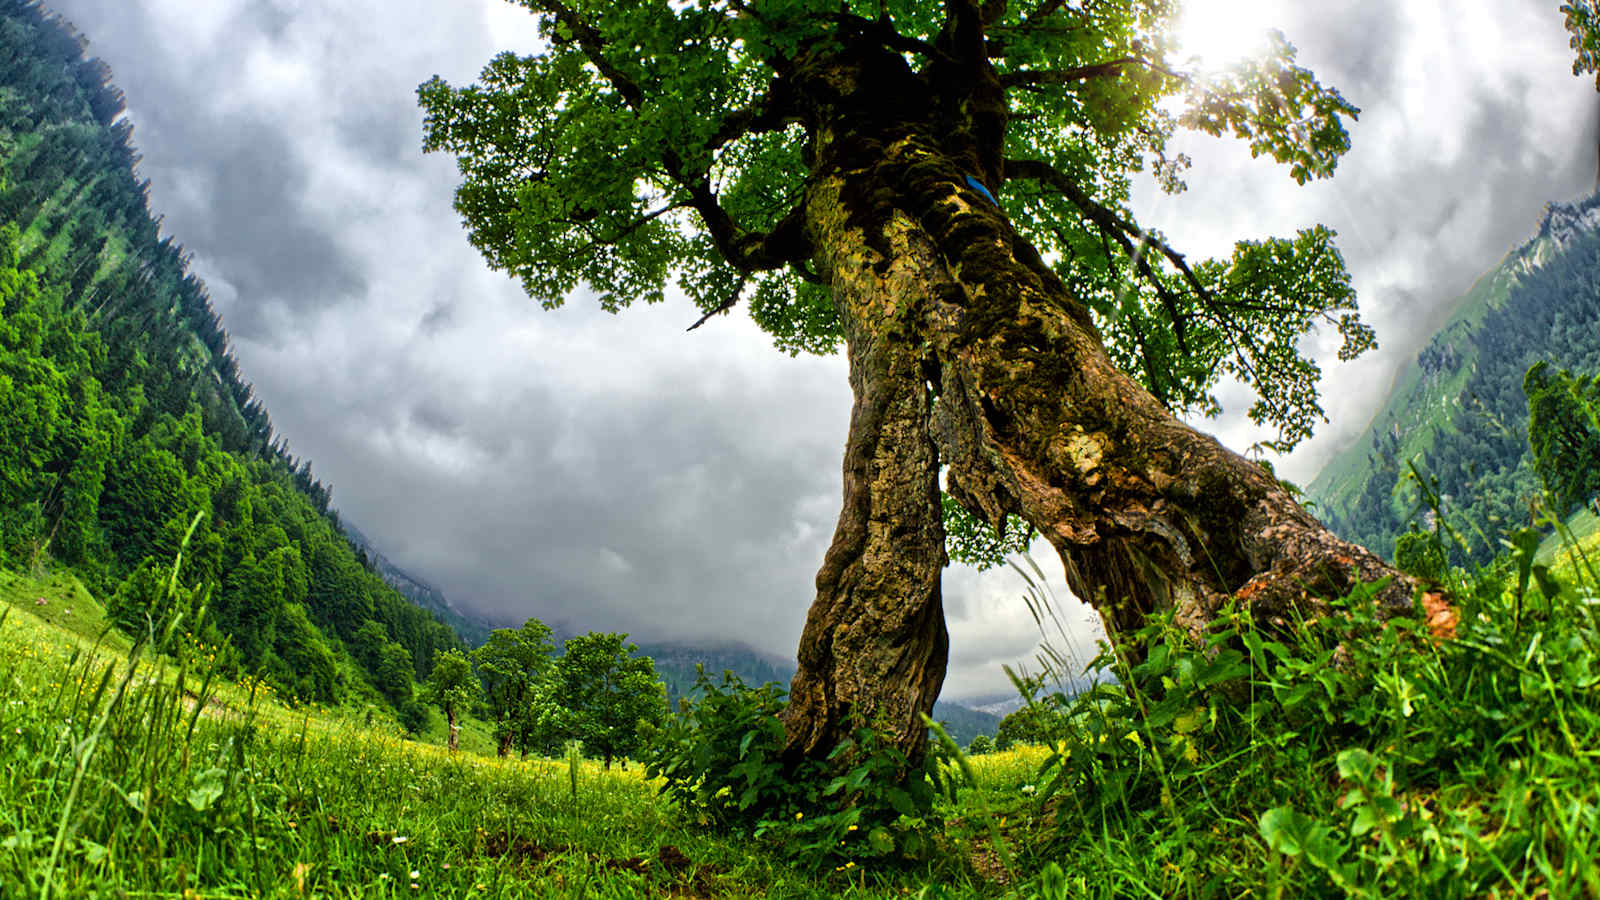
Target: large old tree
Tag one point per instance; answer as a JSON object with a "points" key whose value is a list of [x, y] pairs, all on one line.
{"points": [[943, 188]]}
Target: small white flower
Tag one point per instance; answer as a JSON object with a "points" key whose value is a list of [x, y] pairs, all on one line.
{"points": [[399, 839], [415, 874], [1028, 789]]}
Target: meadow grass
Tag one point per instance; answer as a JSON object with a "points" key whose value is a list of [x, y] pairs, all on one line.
{"points": [[151, 782], [1342, 757]]}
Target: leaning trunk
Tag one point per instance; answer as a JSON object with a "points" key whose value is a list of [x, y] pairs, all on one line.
{"points": [[873, 650], [944, 305], [455, 730], [1032, 418], [1145, 512]]}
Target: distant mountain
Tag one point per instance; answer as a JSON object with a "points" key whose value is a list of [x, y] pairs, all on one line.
{"points": [[676, 662], [473, 630], [1457, 411]]}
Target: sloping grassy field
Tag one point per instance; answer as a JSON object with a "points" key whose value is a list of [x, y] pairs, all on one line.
{"points": [[1344, 757], [160, 784]]}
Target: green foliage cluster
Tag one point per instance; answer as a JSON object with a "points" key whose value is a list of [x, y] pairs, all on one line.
{"points": [[1564, 434], [512, 666], [451, 687], [600, 692], [122, 414], [720, 757], [1039, 720], [1421, 554], [1583, 21], [1478, 458]]}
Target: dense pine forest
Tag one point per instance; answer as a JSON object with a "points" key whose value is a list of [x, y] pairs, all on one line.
{"points": [[1454, 436], [124, 417]]}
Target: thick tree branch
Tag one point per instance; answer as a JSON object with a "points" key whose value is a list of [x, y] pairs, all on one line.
{"points": [[884, 32], [769, 112], [1048, 175], [581, 217], [1041, 12], [1123, 232], [962, 32], [593, 44], [744, 250], [1032, 23]]}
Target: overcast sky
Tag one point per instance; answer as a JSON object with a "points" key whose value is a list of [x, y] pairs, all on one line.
{"points": [[614, 472]]}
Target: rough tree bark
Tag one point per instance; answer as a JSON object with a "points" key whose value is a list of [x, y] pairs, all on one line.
{"points": [[875, 640], [944, 305]]}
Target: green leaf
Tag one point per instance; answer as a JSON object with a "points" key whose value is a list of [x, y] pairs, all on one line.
{"points": [[1357, 764], [208, 787], [1191, 721], [1284, 830]]}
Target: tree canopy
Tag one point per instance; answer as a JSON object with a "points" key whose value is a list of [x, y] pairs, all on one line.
{"points": [[511, 665], [598, 691], [654, 141], [451, 687]]}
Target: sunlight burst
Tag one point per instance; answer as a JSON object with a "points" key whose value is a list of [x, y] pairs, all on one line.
{"points": [[1220, 33]]}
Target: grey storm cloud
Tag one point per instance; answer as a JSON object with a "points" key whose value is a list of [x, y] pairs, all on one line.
{"points": [[1470, 124], [605, 471]]}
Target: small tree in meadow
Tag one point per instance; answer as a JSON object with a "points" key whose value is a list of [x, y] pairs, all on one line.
{"points": [[451, 687], [599, 691], [510, 666]]}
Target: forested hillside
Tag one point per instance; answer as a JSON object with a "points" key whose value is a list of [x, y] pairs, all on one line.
{"points": [[1458, 411], [123, 414]]}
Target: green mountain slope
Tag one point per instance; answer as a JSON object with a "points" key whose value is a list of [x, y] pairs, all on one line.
{"points": [[124, 421], [1457, 411]]}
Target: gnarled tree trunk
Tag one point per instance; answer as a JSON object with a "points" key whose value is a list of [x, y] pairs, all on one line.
{"points": [[873, 651], [943, 302]]}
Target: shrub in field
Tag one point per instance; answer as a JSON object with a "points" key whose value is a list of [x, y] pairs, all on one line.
{"points": [[1040, 720], [721, 758]]}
